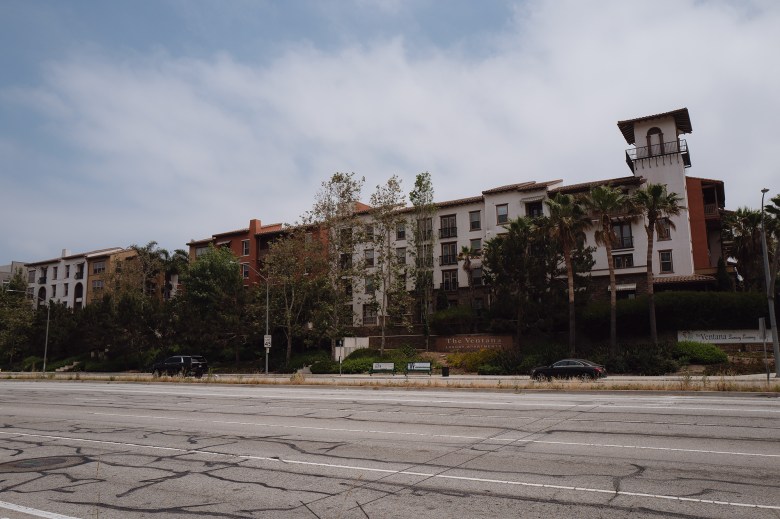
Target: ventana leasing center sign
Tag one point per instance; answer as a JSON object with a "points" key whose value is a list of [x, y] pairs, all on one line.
{"points": [[724, 336], [471, 342]]}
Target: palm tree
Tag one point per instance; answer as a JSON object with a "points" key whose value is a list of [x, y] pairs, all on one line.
{"points": [[567, 224], [656, 204], [773, 233], [466, 255], [606, 202], [743, 228]]}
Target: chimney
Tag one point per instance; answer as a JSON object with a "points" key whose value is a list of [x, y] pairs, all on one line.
{"points": [[254, 226], [65, 252]]}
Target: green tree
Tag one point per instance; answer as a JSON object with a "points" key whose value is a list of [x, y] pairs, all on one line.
{"points": [[656, 204], [605, 203], [567, 223], [772, 220], [16, 317], [743, 230], [388, 272], [421, 242], [467, 255]]}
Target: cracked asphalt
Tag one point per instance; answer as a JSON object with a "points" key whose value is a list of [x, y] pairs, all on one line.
{"points": [[114, 450]]}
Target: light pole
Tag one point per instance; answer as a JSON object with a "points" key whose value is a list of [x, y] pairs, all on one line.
{"points": [[770, 290], [267, 337], [48, 319]]}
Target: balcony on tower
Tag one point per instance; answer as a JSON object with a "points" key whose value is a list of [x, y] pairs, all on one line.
{"points": [[656, 139]]}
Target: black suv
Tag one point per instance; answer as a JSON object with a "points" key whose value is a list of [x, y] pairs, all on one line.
{"points": [[184, 365]]}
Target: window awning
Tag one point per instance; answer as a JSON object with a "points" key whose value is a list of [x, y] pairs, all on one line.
{"points": [[623, 288], [224, 242]]}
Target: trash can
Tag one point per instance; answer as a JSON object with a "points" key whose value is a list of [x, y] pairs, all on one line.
{"points": [[445, 371]]}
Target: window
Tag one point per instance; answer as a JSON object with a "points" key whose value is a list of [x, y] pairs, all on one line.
{"points": [[369, 257], [67, 271], [666, 261], [475, 222], [65, 287], [98, 267], [348, 288], [476, 277], [502, 213], [200, 251], [664, 229], [54, 290], [346, 261], [425, 229], [534, 209], [623, 237], [449, 280], [369, 315], [31, 276], [345, 238], [476, 245], [245, 270], [369, 231], [425, 258], [449, 254], [623, 261], [97, 284], [448, 228], [400, 231], [369, 284], [54, 272], [245, 247], [400, 254]]}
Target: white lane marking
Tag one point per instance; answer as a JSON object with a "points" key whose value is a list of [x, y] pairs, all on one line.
{"points": [[407, 473], [429, 402], [453, 436], [33, 511]]}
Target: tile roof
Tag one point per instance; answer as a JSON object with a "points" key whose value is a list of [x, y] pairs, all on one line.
{"points": [[693, 278], [622, 181], [681, 118]]}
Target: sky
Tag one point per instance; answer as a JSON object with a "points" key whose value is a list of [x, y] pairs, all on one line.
{"points": [[126, 122]]}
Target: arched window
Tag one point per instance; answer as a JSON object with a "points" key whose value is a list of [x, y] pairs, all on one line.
{"points": [[655, 141]]}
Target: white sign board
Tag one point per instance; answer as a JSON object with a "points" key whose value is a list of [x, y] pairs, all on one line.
{"points": [[267, 341], [724, 336]]}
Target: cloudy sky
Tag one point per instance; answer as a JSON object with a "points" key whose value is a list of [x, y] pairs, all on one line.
{"points": [[123, 122]]}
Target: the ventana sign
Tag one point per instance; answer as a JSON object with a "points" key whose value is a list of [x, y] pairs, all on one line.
{"points": [[472, 342], [724, 336]]}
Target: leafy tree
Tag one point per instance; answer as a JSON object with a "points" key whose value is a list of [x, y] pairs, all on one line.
{"points": [[16, 317], [295, 268], [605, 203], [388, 272], [656, 204], [566, 225], [743, 230], [772, 220], [467, 255], [335, 214], [421, 243]]}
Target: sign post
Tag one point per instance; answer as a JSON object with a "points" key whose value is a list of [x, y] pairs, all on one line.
{"points": [[762, 331], [267, 344]]}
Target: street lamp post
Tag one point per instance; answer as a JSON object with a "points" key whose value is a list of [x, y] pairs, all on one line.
{"points": [[48, 319], [267, 337], [770, 290]]}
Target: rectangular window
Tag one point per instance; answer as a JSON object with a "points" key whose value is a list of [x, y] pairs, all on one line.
{"points": [[425, 258], [245, 247], [347, 287], [623, 237], [448, 227], [54, 291], [369, 315], [425, 229], [666, 261], [369, 231], [400, 231], [476, 277], [346, 261], [449, 254], [369, 257], [502, 213], [475, 221], [664, 229], [97, 284], [67, 271], [369, 284], [534, 209], [65, 287], [31, 276], [54, 272], [245, 270], [200, 251], [449, 280], [623, 261], [345, 239], [400, 254], [98, 267], [476, 245]]}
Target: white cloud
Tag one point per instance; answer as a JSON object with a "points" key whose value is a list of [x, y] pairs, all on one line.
{"points": [[171, 148]]}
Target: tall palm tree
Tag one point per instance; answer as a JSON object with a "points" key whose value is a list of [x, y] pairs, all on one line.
{"points": [[656, 204], [743, 228], [567, 224], [605, 203], [773, 234]]}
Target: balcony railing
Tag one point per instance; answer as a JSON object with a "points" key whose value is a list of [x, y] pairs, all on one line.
{"points": [[42, 280], [449, 286], [710, 210], [79, 275], [369, 320], [449, 259], [448, 232], [623, 242], [659, 150]]}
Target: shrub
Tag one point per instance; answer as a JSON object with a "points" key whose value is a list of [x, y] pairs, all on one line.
{"points": [[490, 369], [321, 367], [471, 360], [700, 353], [353, 366]]}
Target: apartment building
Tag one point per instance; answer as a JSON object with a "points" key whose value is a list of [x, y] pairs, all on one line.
{"points": [[7, 272], [63, 279]]}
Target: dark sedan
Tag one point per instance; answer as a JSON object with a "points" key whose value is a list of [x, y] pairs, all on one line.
{"points": [[569, 368], [184, 365]]}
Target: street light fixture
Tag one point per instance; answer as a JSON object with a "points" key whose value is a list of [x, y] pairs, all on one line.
{"points": [[267, 337], [770, 290], [48, 319]]}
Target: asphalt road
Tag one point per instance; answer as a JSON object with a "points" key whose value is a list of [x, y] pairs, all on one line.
{"points": [[108, 450]]}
